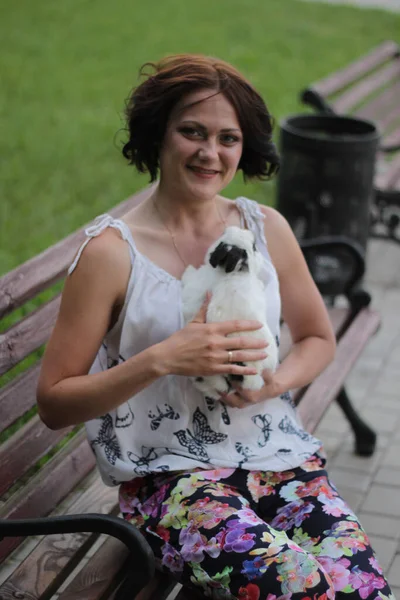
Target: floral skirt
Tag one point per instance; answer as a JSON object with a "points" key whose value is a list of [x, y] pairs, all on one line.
{"points": [[256, 535]]}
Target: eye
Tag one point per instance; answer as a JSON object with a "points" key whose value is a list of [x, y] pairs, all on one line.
{"points": [[229, 139], [190, 132]]}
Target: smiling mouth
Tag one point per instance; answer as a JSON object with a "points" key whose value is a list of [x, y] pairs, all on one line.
{"points": [[202, 171]]}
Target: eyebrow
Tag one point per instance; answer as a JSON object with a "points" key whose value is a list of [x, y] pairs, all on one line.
{"points": [[203, 126]]}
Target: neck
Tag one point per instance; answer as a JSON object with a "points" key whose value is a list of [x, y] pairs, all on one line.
{"points": [[191, 215]]}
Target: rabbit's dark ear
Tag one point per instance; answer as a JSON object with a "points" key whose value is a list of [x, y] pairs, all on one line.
{"points": [[219, 256]]}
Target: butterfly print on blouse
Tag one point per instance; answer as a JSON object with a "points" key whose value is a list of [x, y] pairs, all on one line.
{"points": [[284, 453], [112, 362], [107, 440], [124, 419], [287, 397], [287, 427], [263, 422], [212, 405], [201, 436], [243, 451], [143, 462], [168, 413]]}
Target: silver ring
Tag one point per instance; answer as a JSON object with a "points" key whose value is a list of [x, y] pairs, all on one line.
{"points": [[230, 354]]}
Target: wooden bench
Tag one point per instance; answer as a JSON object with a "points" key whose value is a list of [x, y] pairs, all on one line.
{"points": [[369, 88], [99, 556]]}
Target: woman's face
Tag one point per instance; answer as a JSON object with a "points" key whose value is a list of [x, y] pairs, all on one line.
{"points": [[202, 145]]}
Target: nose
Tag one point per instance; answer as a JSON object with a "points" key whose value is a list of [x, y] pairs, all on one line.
{"points": [[208, 150]]}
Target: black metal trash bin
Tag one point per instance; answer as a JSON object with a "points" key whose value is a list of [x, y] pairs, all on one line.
{"points": [[325, 184]]}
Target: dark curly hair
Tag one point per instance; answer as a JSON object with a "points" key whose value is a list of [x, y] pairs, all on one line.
{"points": [[167, 82]]}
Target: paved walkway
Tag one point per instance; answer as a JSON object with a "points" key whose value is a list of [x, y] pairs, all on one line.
{"points": [[390, 5], [372, 485]]}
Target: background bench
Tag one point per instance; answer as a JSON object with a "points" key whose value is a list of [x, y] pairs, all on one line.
{"points": [[369, 88], [78, 561]]}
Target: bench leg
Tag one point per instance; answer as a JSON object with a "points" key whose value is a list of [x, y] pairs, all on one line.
{"points": [[365, 441]]}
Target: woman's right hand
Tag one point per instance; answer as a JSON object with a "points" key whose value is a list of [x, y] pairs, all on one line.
{"points": [[201, 349]]}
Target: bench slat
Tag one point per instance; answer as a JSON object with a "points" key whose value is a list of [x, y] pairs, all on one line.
{"points": [[366, 87], [24, 449], [42, 271], [27, 335], [326, 386], [48, 565], [18, 396], [51, 485], [99, 577], [39, 578], [378, 107], [391, 117], [336, 82]]}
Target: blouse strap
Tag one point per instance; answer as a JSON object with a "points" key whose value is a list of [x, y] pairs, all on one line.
{"points": [[101, 223], [254, 217]]}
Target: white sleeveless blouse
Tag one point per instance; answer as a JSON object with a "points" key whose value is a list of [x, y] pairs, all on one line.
{"points": [[170, 426]]}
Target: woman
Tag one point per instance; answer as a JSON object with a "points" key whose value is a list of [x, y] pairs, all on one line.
{"points": [[231, 495]]}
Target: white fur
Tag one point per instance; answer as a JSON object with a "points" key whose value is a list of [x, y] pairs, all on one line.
{"points": [[236, 295]]}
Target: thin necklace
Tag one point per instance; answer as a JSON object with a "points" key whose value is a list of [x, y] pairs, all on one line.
{"points": [[223, 221]]}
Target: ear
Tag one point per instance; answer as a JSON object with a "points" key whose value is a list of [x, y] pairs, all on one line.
{"points": [[219, 255]]}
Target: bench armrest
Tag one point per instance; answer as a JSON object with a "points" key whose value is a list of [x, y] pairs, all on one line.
{"points": [[337, 265], [142, 559]]}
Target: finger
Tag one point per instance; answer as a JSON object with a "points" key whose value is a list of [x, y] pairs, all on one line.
{"points": [[232, 369], [201, 316], [238, 325], [234, 401], [245, 356], [244, 343]]}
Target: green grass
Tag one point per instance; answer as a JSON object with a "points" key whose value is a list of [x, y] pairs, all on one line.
{"points": [[68, 66]]}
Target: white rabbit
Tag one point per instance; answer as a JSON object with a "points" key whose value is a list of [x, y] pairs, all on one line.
{"points": [[231, 274]]}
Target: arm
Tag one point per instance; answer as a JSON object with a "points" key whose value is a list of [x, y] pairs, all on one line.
{"points": [[92, 294], [303, 308]]}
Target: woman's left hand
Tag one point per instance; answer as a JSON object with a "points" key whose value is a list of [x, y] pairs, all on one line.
{"points": [[242, 398]]}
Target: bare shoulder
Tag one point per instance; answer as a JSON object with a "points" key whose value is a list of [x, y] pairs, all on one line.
{"points": [[105, 260], [283, 247], [273, 219]]}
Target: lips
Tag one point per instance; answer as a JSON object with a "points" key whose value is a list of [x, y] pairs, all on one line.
{"points": [[202, 171]]}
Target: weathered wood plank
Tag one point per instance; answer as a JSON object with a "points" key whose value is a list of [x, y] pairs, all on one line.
{"points": [[24, 449], [101, 575], [388, 121], [349, 99], [327, 385], [378, 107], [340, 79], [18, 396], [51, 561], [27, 335], [40, 272], [51, 485]]}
